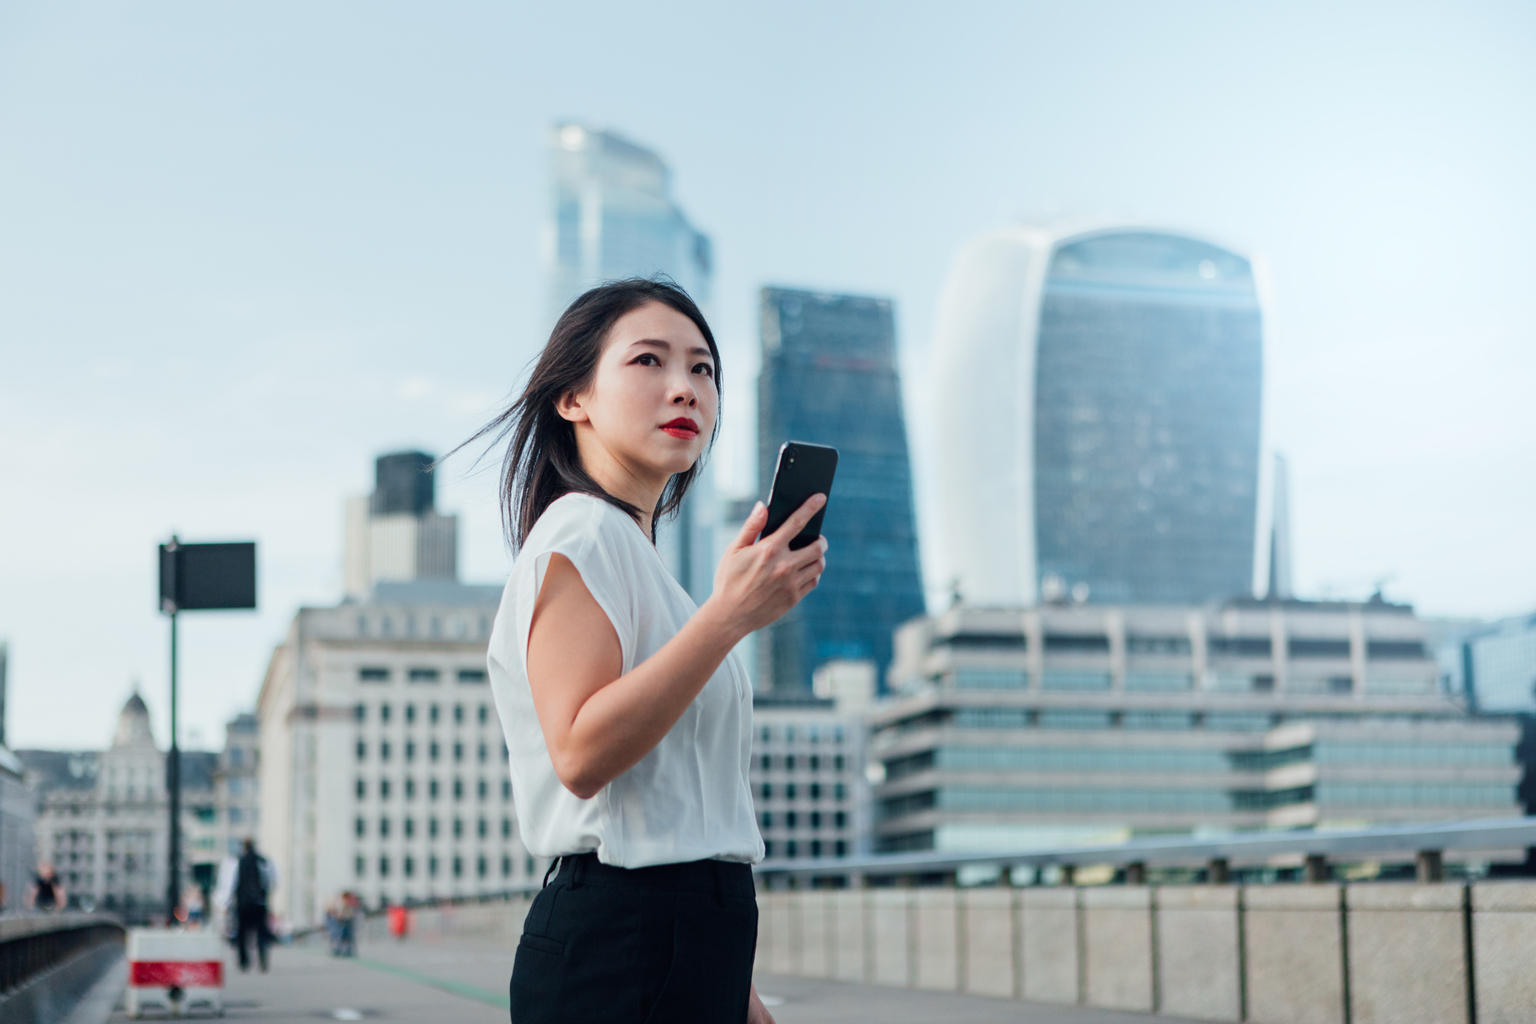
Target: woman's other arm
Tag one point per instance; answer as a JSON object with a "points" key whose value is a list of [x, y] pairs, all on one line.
{"points": [[597, 722]]}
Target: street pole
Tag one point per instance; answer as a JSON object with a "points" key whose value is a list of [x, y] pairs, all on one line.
{"points": [[173, 782], [195, 577]]}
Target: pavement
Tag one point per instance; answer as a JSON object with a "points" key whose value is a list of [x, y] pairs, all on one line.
{"points": [[454, 981]]}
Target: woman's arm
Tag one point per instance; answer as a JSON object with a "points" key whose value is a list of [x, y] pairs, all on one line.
{"points": [[757, 1013], [598, 723]]}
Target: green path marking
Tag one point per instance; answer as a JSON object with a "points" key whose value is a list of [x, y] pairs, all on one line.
{"points": [[458, 988]]}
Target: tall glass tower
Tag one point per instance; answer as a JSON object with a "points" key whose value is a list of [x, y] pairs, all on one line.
{"points": [[1099, 417], [829, 377], [611, 215]]}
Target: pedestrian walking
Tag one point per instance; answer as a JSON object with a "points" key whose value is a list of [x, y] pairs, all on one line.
{"points": [[627, 715], [244, 885]]}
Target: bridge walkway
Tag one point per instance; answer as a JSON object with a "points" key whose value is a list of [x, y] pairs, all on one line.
{"points": [[459, 981]]}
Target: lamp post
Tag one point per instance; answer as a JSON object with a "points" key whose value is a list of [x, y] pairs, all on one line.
{"points": [[196, 577]]}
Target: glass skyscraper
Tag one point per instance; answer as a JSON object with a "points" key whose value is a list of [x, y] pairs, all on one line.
{"points": [[829, 377], [611, 215], [1099, 417]]}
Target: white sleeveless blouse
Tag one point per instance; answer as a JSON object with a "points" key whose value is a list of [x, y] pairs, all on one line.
{"points": [[689, 798]]}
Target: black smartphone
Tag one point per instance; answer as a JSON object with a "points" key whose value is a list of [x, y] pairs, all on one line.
{"points": [[803, 470]]}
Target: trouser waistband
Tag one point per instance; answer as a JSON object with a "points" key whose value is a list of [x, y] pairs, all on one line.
{"points": [[723, 879]]}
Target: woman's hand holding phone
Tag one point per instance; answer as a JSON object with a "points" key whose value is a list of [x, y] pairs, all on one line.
{"points": [[757, 583]]}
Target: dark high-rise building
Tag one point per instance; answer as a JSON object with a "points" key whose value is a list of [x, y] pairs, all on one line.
{"points": [[1098, 417], [829, 377], [402, 483], [396, 534]]}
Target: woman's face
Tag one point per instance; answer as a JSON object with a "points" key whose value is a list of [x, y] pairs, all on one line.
{"points": [[652, 402]]}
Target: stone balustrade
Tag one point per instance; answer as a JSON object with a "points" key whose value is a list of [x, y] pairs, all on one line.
{"points": [[1378, 953]]}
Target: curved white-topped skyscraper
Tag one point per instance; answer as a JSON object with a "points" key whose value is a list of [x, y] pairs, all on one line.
{"points": [[1098, 416]]}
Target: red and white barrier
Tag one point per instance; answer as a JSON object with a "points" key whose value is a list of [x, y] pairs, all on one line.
{"points": [[175, 972]]}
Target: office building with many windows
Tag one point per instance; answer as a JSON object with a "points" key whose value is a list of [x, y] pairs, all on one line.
{"points": [[1498, 665], [829, 377], [383, 769], [809, 785], [1075, 724], [1098, 417]]}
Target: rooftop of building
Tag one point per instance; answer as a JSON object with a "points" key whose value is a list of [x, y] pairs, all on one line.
{"points": [[77, 769], [434, 593]]}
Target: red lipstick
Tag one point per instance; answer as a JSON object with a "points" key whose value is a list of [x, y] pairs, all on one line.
{"points": [[682, 427]]}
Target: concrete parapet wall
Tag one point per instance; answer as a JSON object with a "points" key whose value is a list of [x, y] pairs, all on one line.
{"points": [[936, 939], [816, 938], [989, 954], [1197, 944], [1276, 954], [891, 936], [1407, 955], [1504, 947], [1294, 962], [1049, 945], [1116, 946], [850, 927]]}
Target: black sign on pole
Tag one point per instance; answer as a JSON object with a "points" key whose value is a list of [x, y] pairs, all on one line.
{"points": [[197, 577]]}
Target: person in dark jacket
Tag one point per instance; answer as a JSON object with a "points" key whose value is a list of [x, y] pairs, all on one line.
{"points": [[47, 891], [244, 884]]}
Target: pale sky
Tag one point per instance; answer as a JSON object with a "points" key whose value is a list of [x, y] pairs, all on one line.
{"points": [[246, 247]]}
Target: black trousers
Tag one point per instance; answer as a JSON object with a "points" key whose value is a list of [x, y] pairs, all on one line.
{"points": [[671, 944], [252, 921]]}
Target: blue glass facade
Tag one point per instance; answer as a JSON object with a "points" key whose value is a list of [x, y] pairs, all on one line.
{"points": [[611, 215], [829, 377], [1146, 419]]}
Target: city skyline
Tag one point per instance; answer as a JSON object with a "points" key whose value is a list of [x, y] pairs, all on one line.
{"points": [[229, 290]]}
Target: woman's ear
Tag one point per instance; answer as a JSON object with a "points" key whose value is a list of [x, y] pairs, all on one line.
{"points": [[570, 407]]}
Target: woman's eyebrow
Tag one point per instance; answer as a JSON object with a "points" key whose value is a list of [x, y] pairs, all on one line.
{"points": [[697, 350]]}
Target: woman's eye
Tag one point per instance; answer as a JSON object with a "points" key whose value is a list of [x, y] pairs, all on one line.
{"points": [[705, 369], [648, 359]]}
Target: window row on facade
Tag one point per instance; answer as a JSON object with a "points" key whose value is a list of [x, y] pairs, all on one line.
{"points": [[384, 713], [1194, 800], [1181, 646], [810, 819], [1098, 718], [383, 828], [432, 627], [1219, 680], [790, 849], [810, 763], [814, 791], [434, 866], [384, 750], [812, 733], [1198, 760], [434, 789]]}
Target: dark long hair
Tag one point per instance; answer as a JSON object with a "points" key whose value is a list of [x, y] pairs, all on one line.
{"points": [[542, 462]]}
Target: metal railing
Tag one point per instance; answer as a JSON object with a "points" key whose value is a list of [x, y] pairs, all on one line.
{"points": [[32, 945], [1426, 842]]}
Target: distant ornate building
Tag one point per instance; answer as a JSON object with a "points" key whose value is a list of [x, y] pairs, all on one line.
{"points": [[103, 817]]}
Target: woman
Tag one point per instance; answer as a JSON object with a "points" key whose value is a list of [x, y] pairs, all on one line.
{"points": [[628, 719]]}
